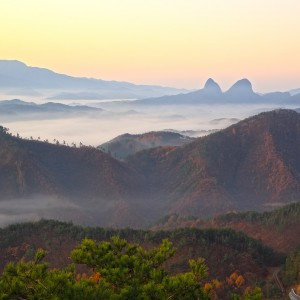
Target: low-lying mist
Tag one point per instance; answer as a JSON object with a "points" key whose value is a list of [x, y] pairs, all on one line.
{"points": [[36, 208], [119, 118]]}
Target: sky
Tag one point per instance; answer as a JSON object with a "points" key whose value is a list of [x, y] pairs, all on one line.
{"points": [[176, 43]]}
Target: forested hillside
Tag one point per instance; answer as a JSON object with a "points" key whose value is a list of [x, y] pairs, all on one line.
{"points": [[279, 228], [227, 254], [251, 165], [235, 249], [85, 184]]}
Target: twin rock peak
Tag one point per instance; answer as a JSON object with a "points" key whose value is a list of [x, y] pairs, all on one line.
{"points": [[241, 86]]}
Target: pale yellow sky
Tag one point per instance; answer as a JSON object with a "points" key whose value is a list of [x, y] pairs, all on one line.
{"points": [[169, 42]]}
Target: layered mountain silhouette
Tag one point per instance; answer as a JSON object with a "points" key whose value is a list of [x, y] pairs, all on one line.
{"points": [[128, 144], [251, 165], [16, 78], [19, 80], [240, 93], [18, 109]]}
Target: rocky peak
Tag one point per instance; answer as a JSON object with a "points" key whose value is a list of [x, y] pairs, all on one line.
{"points": [[212, 87], [241, 86]]}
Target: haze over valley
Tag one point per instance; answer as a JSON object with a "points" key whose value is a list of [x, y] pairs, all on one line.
{"points": [[150, 150], [128, 134]]}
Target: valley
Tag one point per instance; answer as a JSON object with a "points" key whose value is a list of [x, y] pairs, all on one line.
{"points": [[149, 150], [251, 165]]}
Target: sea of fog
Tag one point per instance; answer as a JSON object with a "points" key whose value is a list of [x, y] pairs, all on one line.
{"points": [[121, 117]]}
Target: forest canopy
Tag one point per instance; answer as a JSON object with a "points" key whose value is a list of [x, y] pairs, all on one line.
{"points": [[114, 270]]}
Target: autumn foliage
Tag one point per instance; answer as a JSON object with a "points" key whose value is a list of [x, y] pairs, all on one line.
{"points": [[118, 270]]}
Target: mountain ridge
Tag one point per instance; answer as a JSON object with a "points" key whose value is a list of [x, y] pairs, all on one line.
{"points": [[241, 92], [18, 79], [87, 181], [16, 76], [251, 165], [235, 168], [127, 144]]}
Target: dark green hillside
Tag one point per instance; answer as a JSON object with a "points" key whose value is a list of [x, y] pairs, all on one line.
{"points": [[279, 228], [278, 218]]}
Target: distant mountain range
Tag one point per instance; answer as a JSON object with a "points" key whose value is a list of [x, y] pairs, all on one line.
{"points": [[240, 93], [18, 79], [19, 110], [21, 81], [251, 165], [193, 133]]}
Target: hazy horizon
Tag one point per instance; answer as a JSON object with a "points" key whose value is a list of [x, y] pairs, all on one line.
{"points": [[169, 43]]}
